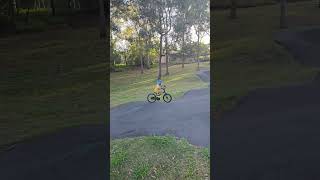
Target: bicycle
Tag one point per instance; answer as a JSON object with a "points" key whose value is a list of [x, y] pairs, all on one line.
{"points": [[153, 97]]}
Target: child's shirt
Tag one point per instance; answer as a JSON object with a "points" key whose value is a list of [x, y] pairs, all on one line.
{"points": [[157, 89]]}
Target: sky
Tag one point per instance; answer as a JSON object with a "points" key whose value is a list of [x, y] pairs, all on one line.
{"points": [[205, 39]]}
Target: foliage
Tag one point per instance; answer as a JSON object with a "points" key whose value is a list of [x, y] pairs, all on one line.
{"points": [[140, 23]]}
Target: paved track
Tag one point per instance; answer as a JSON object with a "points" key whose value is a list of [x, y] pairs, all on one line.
{"points": [[74, 153], [187, 117], [274, 134]]}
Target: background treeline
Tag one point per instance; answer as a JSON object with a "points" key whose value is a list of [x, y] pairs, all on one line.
{"points": [[17, 16], [224, 4], [149, 33]]}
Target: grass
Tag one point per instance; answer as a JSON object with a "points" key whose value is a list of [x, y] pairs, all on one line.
{"points": [[49, 81], [131, 85], [158, 157], [245, 56]]}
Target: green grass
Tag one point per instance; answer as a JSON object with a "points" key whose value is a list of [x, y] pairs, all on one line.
{"points": [[245, 57], [36, 98], [131, 85], [158, 157]]}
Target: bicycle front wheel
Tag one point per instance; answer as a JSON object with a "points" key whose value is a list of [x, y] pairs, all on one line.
{"points": [[167, 98]]}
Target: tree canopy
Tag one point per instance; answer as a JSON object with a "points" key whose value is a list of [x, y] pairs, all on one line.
{"points": [[143, 28]]}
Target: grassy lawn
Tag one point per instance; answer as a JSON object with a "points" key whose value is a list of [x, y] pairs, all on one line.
{"points": [[51, 80], [245, 56], [133, 86], [158, 157]]}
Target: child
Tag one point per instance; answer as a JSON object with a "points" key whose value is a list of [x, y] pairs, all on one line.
{"points": [[157, 88]]}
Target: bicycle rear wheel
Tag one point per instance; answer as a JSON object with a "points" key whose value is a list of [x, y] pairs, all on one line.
{"points": [[151, 98]]}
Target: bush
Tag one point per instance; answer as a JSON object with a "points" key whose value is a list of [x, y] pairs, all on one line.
{"points": [[56, 20], [35, 26], [34, 12]]}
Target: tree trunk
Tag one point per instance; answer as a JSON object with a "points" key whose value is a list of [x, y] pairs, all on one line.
{"points": [[53, 8], [160, 56], [43, 4], [148, 56], [27, 16], [167, 65], [283, 16], [125, 60], [147, 53], [39, 4], [17, 8], [198, 67], [69, 4], [141, 51], [12, 10], [35, 5], [233, 9], [103, 28], [182, 48], [148, 61], [70, 13]]}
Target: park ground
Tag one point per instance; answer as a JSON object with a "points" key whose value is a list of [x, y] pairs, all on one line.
{"points": [[153, 156], [246, 57], [130, 86], [51, 80], [57, 79], [273, 132]]}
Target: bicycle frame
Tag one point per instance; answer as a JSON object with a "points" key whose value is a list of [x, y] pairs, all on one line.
{"points": [[164, 90]]}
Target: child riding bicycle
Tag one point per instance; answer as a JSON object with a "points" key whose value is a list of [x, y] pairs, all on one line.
{"points": [[159, 90], [158, 87]]}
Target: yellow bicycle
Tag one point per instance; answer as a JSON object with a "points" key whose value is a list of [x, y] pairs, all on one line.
{"points": [[155, 96]]}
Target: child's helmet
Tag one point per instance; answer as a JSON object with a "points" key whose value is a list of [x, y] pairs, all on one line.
{"points": [[159, 81]]}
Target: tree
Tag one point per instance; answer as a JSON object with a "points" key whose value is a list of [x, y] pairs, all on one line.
{"points": [[283, 16], [149, 45], [12, 10], [139, 23], [53, 8], [200, 22], [157, 11], [135, 29], [39, 4], [233, 9], [182, 24], [168, 26], [140, 43]]}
